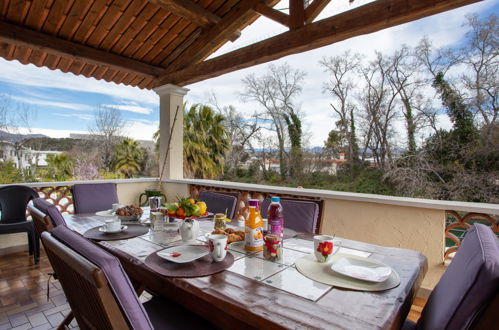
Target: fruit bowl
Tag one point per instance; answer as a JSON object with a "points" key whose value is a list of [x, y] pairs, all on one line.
{"points": [[186, 208]]}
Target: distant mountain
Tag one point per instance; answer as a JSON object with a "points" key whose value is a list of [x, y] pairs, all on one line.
{"points": [[6, 136]]}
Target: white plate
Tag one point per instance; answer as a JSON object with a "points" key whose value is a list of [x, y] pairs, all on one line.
{"points": [[106, 213], [187, 253], [104, 230], [362, 269]]}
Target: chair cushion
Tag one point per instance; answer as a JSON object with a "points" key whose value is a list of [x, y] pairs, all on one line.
{"points": [[56, 216], [219, 202], [42, 204], [468, 284], [301, 216], [177, 318], [94, 197], [115, 275]]}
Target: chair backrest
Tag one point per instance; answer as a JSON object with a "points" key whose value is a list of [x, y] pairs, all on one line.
{"points": [[53, 213], [218, 202], [468, 285], [13, 202], [94, 197], [98, 290], [41, 220], [299, 215]]}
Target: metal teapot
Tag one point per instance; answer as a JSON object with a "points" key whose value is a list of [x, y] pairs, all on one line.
{"points": [[150, 192]]}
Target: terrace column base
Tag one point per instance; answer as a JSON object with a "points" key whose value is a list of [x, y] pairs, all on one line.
{"points": [[171, 98]]}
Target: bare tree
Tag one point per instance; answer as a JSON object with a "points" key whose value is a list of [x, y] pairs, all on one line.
{"points": [[275, 91], [379, 100], [341, 85], [404, 75], [481, 79], [107, 130], [435, 60], [240, 130]]}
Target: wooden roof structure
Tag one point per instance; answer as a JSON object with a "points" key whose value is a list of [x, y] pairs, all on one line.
{"points": [[147, 43]]}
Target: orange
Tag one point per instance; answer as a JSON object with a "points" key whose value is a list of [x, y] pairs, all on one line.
{"points": [[180, 212], [191, 200]]}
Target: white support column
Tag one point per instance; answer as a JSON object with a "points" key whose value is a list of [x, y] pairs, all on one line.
{"points": [[171, 97]]}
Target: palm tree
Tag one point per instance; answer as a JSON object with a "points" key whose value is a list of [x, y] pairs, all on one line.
{"points": [[60, 166], [205, 142], [128, 157]]}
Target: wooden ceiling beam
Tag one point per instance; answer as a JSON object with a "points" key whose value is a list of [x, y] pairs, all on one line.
{"points": [[314, 9], [194, 13], [211, 39], [190, 11], [365, 19], [273, 14], [19, 36], [296, 14]]}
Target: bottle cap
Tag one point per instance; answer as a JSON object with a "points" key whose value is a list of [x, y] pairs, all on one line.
{"points": [[275, 199], [254, 202]]}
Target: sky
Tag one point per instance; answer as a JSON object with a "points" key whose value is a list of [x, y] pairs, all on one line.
{"points": [[63, 103]]}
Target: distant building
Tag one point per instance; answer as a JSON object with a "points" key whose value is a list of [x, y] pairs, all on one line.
{"points": [[28, 156], [325, 165]]}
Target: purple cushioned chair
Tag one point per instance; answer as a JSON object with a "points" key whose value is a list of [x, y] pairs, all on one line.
{"points": [[51, 210], [470, 284], [86, 270], [219, 202], [301, 216], [94, 197]]}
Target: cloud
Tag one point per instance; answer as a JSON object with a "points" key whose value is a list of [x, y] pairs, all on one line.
{"points": [[75, 115], [14, 72], [130, 107], [64, 105], [141, 129]]}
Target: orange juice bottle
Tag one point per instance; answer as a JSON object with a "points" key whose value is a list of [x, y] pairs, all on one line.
{"points": [[253, 233]]}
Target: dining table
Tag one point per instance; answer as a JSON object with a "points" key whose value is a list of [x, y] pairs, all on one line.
{"points": [[255, 293]]}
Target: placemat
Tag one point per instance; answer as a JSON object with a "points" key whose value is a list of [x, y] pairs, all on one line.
{"points": [[321, 272], [201, 267], [130, 232]]}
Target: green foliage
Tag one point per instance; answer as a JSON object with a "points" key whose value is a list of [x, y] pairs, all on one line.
{"points": [[464, 130], [56, 144], [205, 142], [335, 142], [59, 167], [295, 135], [9, 173], [108, 175], [128, 157]]}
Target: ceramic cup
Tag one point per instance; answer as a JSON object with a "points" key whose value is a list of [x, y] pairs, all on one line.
{"points": [[218, 247], [324, 247], [113, 225], [116, 206]]}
